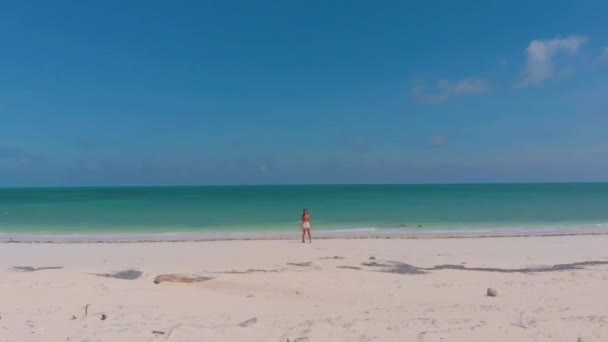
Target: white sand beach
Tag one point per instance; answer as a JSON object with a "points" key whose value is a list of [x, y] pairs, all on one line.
{"points": [[330, 290]]}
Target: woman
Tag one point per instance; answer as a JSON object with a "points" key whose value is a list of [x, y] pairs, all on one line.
{"points": [[306, 225]]}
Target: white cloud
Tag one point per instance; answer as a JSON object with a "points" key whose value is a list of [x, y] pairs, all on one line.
{"points": [[446, 90], [603, 59], [439, 140], [91, 166], [540, 57], [13, 158]]}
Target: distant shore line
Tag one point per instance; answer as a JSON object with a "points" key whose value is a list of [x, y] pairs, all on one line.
{"points": [[7, 238]]}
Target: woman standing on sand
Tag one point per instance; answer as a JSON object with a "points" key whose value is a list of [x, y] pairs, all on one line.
{"points": [[306, 225]]}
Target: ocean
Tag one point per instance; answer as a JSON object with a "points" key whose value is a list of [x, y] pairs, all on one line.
{"points": [[339, 209]]}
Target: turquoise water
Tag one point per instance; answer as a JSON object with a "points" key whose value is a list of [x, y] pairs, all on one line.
{"points": [[278, 208]]}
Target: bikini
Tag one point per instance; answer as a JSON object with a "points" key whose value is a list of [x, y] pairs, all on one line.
{"points": [[306, 221]]}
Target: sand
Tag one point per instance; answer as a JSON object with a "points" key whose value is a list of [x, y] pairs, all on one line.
{"points": [[331, 290]]}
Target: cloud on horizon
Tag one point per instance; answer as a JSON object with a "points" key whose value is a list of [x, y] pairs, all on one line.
{"points": [[540, 56], [446, 90], [13, 157], [603, 58], [263, 168], [439, 140]]}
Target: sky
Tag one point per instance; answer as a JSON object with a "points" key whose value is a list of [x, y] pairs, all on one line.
{"points": [[309, 92]]}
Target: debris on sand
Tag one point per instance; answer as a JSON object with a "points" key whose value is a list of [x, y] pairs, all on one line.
{"points": [[349, 267], [34, 269], [177, 278], [248, 322], [491, 292], [395, 267], [252, 270], [300, 264], [124, 275]]}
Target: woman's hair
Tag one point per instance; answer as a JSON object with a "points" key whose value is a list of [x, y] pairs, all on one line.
{"points": [[304, 212]]}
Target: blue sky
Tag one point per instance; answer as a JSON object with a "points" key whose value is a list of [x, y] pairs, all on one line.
{"points": [[275, 92]]}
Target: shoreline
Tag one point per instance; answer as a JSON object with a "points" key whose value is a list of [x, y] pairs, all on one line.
{"points": [[93, 238]]}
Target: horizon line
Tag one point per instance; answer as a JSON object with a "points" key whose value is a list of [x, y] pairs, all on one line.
{"points": [[292, 184]]}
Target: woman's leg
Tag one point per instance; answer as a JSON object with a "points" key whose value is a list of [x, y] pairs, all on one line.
{"points": [[309, 237], [303, 234]]}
